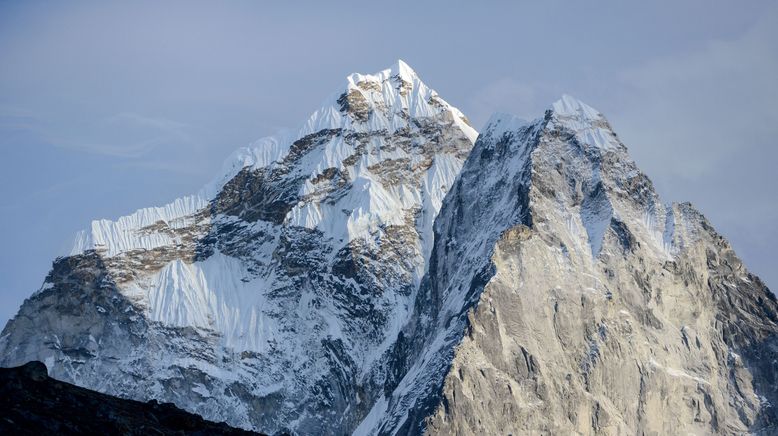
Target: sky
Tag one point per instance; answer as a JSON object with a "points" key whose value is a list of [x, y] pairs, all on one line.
{"points": [[108, 107]]}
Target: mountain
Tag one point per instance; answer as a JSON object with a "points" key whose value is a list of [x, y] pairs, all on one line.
{"points": [[377, 272], [31, 403], [273, 298], [565, 298]]}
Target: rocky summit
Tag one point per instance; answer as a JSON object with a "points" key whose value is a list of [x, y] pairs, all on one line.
{"points": [[384, 269]]}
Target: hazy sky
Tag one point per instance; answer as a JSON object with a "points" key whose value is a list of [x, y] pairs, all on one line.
{"points": [[106, 108]]}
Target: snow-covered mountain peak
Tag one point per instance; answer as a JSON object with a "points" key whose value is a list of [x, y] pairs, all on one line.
{"points": [[500, 123], [575, 142], [589, 125], [550, 252], [400, 71], [388, 98], [304, 255], [571, 107], [404, 70], [393, 102], [375, 272]]}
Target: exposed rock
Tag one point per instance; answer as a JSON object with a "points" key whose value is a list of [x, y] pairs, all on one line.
{"points": [[596, 319]]}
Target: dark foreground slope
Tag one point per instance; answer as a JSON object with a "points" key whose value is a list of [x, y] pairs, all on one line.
{"points": [[33, 403]]}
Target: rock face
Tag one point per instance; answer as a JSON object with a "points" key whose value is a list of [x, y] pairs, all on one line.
{"points": [[31, 403], [307, 289], [583, 305]]}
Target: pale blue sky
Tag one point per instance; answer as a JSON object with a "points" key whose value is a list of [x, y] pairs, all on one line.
{"points": [[106, 108]]}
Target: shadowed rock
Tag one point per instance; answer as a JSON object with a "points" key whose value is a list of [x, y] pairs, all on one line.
{"points": [[33, 403]]}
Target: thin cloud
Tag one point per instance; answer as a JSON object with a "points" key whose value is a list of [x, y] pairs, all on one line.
{"points": [[174, 128], [154, 133], [503, 95], [728, 86], [163, 166]]}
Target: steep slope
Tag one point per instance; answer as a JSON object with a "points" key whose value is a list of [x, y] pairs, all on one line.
{"points": [[567, 299], [31, 403], [272, 298]]}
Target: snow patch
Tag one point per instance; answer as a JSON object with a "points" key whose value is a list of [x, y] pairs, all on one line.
{"points": [[215, 294]]}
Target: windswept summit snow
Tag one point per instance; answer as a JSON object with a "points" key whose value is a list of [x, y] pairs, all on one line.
{"points": [[375, 272]]}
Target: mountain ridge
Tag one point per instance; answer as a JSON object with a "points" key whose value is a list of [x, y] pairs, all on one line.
{"points": [[269, 150], [381, 273]]}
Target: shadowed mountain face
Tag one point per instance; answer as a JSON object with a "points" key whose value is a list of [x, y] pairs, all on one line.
{"points": [[378, 273], [34, 404]]}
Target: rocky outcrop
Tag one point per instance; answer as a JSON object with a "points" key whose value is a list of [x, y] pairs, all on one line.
{"points": [[585, 305]]}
